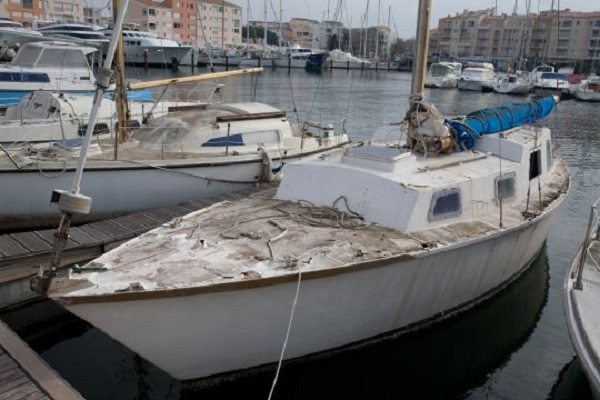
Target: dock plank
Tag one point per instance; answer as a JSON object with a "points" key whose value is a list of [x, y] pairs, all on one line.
{"points": [[80, 237], [31, 370], [143, 218], [32, 242], [160, 215], [49, 234], [113, 230], [101, 236], [10, 248], [176, 210], [135, 225]]}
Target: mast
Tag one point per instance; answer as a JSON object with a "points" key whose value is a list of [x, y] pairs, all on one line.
{"points": [[71, 201], [420, 68], [121, 94]]}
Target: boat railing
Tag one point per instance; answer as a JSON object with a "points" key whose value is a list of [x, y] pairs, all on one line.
{"points": [[592, 233]]}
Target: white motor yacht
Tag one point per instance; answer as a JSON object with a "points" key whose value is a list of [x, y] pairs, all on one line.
{"points": [[13, 34], [75, 32], [51, 65], [443, 75], [293, 57], [478, 77], [143, 48]]}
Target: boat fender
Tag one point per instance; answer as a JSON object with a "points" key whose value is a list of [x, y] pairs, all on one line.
{"points": [[266, 174]]}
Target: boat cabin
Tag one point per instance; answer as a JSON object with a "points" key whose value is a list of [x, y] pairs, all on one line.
{"points": [[432, 191], [53, 55]]}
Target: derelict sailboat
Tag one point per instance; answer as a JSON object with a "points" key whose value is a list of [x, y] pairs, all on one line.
{"points": [[354, 244]]}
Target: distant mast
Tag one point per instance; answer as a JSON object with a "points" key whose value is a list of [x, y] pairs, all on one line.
{"points": [[265, 30], [223, 24], [365, 53], [248, 30], [377, 31]]}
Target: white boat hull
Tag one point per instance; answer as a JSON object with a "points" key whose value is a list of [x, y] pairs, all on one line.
{"points": [[349, 64], [201, 334], [441, 82], [121, 187], [474, 85], [512, 87], [285, 63], [587, 95], [221, 61], [578, 306], [155, 55]]}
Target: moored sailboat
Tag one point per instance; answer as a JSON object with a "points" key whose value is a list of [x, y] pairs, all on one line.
{"points": [[581, 302], [354, 244]]}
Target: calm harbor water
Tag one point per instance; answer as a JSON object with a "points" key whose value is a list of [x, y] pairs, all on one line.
{"points": [[515, 346]]}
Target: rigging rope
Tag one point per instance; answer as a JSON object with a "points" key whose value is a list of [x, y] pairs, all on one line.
{"points": [[287, 334]]}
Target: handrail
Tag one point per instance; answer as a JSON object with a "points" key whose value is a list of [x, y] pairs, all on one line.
{"points": [[586, 243]]}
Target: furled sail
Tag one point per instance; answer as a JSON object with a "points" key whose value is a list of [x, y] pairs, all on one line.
{"points": [[498, 119]]}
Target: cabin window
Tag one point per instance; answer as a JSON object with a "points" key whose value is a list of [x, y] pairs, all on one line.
{"points": [[445, 204], [548, 155], [534, 164], [60, 57], [505, 187]]}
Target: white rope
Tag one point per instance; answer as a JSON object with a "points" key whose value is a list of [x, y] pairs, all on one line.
{"points": [[287, 335]]}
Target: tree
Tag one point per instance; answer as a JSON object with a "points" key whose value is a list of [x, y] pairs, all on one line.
{"points": [[257, 34], [334, 42]]}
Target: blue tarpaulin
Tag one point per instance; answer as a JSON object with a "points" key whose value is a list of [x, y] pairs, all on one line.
{"points": [[498, 119]]}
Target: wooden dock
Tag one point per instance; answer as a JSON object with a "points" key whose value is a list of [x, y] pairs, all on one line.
{"points": [[24, 375], [22, 253]]}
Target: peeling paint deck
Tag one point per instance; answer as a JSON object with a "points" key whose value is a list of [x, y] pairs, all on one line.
{"points": [[22, 253], [260, 237]]}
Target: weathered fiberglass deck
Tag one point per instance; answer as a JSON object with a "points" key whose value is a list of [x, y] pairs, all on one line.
{"points": [[259, 237]]}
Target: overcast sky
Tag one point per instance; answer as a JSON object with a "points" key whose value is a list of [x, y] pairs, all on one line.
{"points": [[404, 12]]}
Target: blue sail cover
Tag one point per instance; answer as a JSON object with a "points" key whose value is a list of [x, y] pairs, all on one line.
{"points": [[498, 119]]}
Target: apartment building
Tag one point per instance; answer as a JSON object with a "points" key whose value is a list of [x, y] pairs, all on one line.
{"points": [[93, 16], [304, 32], [153, 16], [221, 22], [185, 22], [571, 35], [23, 11], [63, 10], [551, 35], [197, 23]]}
